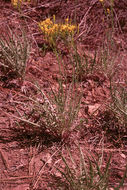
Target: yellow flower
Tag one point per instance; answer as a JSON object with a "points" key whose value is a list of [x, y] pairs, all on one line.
{"points": [[68, 28], [52, 31], [66, 20], [108, 10], [55, 27], [101, 1], [16, 2], [47, 22], [72, 28], [46, 30], [63, 28]]}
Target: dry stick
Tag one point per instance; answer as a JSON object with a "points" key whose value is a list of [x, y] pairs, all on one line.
{"points": [[27, 121], [47, 101], [84, 20], [118, 21], [15, 178], [31, 165], [4, 65], [106, 149], [84, 31], [3, 159]]}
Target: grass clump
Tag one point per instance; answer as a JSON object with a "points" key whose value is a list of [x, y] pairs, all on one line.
{"points": [[50, 117], [60, 110], [86, 173], [14, 52]]}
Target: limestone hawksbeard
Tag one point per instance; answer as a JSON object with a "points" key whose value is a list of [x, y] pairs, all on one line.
{"points": [[52, 30]]}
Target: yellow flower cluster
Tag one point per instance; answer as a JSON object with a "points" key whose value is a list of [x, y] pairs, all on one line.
{"points": [[52, 30], [18, 2], [48, 27], [108, 10], [66, 28]]}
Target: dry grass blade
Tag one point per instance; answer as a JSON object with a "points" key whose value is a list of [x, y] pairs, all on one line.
{"points": [[119, 103]]}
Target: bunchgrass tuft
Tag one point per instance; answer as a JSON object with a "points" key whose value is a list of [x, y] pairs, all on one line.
{"points": [[56, 112], [86, 173], [61, 109], [14, 52]]}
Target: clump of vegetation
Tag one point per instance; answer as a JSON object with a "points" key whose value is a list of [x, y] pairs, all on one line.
{"points": [[14, 52], [53, 114], [85, 173], [53, 31]]}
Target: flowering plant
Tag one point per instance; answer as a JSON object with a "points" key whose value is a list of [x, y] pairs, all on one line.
{"points": [[52, 31]]}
